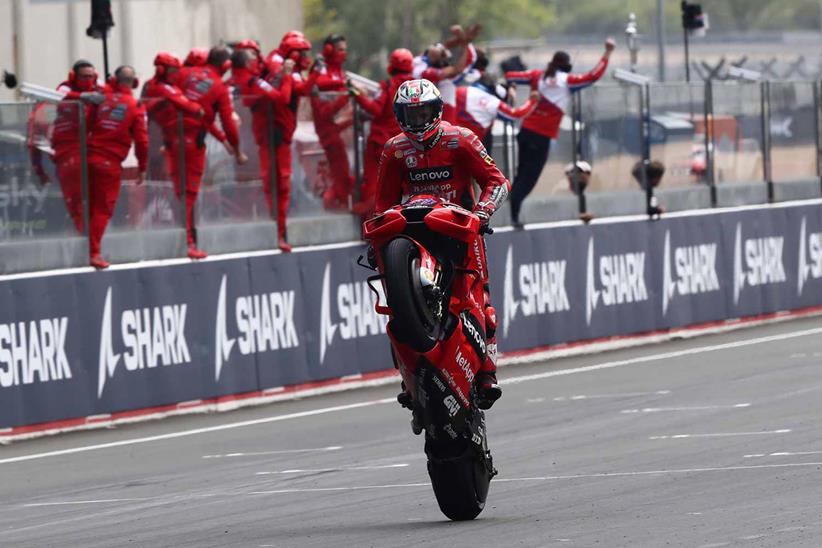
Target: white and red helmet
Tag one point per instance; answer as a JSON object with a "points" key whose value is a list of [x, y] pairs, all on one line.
{"points": [[418, 108]]}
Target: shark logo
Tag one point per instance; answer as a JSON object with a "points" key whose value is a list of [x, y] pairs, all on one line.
{"points": [[541, 286], [151, 337], [263, 322], [810, 256], [354, 306], [621, 279], [33, 352], [695, 269], [762, 262]]}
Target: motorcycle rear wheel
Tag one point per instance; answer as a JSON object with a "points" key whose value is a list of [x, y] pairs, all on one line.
{"points": [[412, 322], [460, 480]]}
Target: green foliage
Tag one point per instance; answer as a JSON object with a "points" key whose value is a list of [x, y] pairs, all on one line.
{"points": [[375, 27]]}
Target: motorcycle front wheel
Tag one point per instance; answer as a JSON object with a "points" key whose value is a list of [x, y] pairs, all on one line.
{"points": [[414, 321]]}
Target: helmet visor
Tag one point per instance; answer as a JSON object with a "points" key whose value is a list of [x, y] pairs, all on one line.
{"points": [[420, 116]]}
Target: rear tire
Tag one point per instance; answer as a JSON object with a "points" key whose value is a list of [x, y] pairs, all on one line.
{"points": [[412, 322], [460, 481]]}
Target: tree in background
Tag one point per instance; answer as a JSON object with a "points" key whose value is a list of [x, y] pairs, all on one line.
{"points": [[375, 27]]}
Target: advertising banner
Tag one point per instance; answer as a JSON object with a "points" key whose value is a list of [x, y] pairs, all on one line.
{"points": [[81, 344]]}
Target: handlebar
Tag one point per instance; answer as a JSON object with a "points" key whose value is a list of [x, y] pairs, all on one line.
{"points": [[485, 229]]}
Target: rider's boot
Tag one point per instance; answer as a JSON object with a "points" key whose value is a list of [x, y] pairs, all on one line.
{"points": [[488, 390]]}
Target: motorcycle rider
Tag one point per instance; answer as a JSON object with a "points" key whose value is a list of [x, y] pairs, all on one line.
{"points": [[383, 124], [451, 157]]}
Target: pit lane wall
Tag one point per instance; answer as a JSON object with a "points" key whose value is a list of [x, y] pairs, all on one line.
{"points": [[80, 344]]}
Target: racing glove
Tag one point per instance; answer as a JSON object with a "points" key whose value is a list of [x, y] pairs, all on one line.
{"points": [[484, 210]]}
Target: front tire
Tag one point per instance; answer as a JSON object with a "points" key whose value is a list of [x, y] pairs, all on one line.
{"points": [[413, 321]]}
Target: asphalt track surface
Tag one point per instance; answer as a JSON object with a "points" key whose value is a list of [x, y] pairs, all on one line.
{"points": [[706, 442]]}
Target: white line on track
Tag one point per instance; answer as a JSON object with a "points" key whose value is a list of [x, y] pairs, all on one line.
{"points": [[663, 356], [783, 454], [686, 408], [338, 469], [101, 501], [513, 380], [603, 396], [600, 475], [282, 452], [719, 434], [185, 433]]}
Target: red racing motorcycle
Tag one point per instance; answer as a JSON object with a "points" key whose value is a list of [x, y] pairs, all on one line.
{"points": [[427, 254]]}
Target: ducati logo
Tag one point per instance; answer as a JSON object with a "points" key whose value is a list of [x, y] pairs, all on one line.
{"points": [[690, 270], [264, 323], [621, 279], [354, 306], [541, 286], [761, 263], [810, 256], [151, 337]]}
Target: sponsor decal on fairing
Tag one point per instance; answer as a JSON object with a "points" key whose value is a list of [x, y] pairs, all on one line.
{"points": [[150, 337], [810, 256], [757, 261], [33, 352], [353, 303], [263, 322], [688, 270], [541, 286], [616, 279]]}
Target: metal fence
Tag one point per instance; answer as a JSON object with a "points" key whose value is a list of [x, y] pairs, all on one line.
{"points": [[706, 135], [709, 137]]}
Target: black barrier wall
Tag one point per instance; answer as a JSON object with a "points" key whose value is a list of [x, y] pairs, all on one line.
{"points": [[75, 345]]}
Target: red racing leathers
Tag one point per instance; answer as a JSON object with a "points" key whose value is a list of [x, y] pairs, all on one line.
{"points": [[325, 104], [264, 101], [447, 169], [65, 141], [118, 121], [383, 126], [203, 85]]}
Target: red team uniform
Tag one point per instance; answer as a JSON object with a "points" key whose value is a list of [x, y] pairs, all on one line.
{"points": [[204, 86], [118, 121], [383, 124]]}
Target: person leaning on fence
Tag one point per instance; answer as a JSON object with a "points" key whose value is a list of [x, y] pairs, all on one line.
{"points": [[204, 85], [80, 86], [654, 171], [328, 97], [578, 175], [118, 122], [555, 86]]}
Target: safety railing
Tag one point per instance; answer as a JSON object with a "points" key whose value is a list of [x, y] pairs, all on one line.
{"points": [[713, 139]]}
